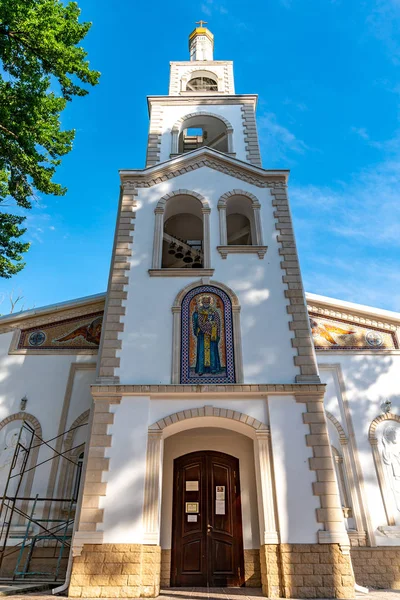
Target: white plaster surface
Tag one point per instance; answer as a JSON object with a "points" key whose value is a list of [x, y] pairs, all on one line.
{"points": [[295, 499], [219, 440], [123, 505], [43, 379], [146, 355], [369, 379]]}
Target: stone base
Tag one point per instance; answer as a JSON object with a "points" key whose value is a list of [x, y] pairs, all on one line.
{"points": [[306, 571], [116, 571], [377, 567]]}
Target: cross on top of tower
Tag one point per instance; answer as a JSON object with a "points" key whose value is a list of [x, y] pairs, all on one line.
{"points": [[201, 23]]}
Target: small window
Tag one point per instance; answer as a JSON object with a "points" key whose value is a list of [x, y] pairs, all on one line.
{"points": [[202, 84]]}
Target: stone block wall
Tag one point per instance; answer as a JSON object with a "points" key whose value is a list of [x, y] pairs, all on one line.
{"points": [[252, 572], [116, 571], [377, 567], [306, 571]]}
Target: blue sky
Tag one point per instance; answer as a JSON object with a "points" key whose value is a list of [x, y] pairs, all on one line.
{"points": [[327, 75]]}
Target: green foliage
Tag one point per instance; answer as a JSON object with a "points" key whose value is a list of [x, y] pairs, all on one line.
{"points": [[38, 53]]}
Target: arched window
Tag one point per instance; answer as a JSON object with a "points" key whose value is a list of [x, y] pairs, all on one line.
{"points": [[201, 129], [181, 233], [202, 84], [240, 224]]}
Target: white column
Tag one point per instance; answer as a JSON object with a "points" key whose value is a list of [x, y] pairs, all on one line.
{"points": [[351, 487], [206, 241], [174, 141], [268, 525], [257, 225], [223, 237], [158, 238], [152, 489], [230, 141]]}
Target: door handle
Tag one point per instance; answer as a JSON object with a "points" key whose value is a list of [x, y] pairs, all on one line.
{"points": [[209, 528]]}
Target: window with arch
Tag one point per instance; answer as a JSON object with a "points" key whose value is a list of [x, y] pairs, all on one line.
{"points": [[181, 233], [202, 84], [240, 224], [202, 129]]}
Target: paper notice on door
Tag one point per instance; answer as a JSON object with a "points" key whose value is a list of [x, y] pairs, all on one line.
{"points": [[192, 518], [192, 486], [220, 507], [220, 492]]}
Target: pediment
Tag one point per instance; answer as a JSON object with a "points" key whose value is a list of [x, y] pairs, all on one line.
{"points": [[203, 158]]}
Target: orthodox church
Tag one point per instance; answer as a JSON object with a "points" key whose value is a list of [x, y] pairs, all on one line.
{"points": [[237, 431]]}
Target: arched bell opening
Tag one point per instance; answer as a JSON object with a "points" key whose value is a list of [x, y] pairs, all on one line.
{"points": [[183, 234], [240, 221], [201, 131], [202, 83]]}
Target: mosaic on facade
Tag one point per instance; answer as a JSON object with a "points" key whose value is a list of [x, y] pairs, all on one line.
{"points": [[78, 333], [207, 337], [331, 334]]}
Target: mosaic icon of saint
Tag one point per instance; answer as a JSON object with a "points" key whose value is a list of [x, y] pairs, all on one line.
{"points": [[391, 458], [207, 329]]}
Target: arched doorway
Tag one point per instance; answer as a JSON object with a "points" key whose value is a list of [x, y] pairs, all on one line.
{"points": [[207, 541]]}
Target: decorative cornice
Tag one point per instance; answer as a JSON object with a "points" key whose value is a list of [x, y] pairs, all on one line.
{"points": [[204, 157], [359, 319], [17, 319], [48, 316], [260, 390], [225, 250], [199, 100]]}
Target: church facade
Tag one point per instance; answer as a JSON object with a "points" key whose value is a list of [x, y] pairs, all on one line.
{"points": [[223, 427]]}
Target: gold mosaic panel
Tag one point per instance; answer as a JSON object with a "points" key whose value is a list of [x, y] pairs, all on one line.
{"points": [[336, 334], [78, 333]]}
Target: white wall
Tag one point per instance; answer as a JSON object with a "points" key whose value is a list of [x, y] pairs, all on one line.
{"points": [[147, 338], [231, 112], [123, 505], [43, 379], [218, 440], [295, 500], [369, 379]]}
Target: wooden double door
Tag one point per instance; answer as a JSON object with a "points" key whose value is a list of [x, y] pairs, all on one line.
{"points": [[207, 539]]}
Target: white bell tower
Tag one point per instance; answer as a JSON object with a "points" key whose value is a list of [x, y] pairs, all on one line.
{"points": [[201, 43]]}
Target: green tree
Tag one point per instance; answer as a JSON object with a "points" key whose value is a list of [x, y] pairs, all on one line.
{"points": [[39, 53]]}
